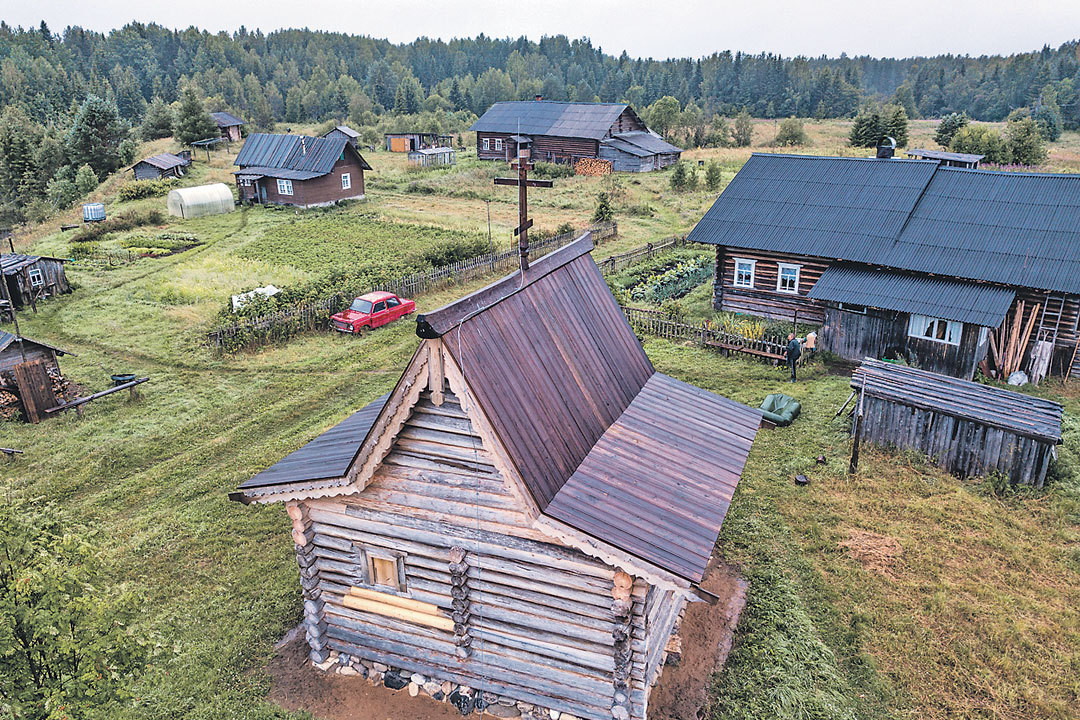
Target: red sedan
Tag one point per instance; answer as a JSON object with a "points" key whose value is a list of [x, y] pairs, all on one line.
{"points": [[371, 311]]}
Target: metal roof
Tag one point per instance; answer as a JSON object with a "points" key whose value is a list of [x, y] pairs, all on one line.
{"points": [[267, 153], [653, 144], [345, 130], [7, 338], [11, 263], [257, 171], [327, 456], [224, 119], [944, 155], [626, 147], [939, 297], [162, 161], [432, 151], [546, 117], [1018, 229], [984, 404]]}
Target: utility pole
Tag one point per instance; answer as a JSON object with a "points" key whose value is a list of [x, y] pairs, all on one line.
{"points": [[523, 183]]}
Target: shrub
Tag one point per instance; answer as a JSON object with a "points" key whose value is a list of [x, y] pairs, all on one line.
{"points": [[552, 171], [118, 223], [1026, 145], [949, 126], [140, 189], [603, 212], [167, 242], [981, 140], [791, 134], [743, 133], [452, 251]]}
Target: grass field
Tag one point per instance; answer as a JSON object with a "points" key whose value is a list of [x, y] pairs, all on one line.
{"points": [[901, 592]]}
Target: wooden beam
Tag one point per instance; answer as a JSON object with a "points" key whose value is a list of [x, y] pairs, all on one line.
{"points": [[83, 400]]}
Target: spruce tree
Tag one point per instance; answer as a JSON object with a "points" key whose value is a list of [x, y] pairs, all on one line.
{"points": [[193, 122], [158, 121], [895, 123], [949, 126], [713, 176], [96, 136], [678, 177]]}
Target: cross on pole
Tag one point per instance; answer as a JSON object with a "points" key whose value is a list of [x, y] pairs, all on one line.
{"points": [[523, 183]]}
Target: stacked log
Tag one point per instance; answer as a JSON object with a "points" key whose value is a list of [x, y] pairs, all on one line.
{"points": [[314, 623], [593, 167], [459, 592], [622, 606], [1008, 344]]}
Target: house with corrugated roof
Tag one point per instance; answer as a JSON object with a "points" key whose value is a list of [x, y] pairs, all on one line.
{"points": [[31, 278], [566, 132], [229, 125], [299, 170], [904, 258], [521, 521], [161, 166]]}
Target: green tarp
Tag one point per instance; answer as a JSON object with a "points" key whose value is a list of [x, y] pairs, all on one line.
{"points": [[781, 409]]}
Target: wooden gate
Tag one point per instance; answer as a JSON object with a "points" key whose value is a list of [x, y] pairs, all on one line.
{"points": [[35, 389]]}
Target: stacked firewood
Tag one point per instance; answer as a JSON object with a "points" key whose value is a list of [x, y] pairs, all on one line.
{"points": [[11, 407], [593, 167]]}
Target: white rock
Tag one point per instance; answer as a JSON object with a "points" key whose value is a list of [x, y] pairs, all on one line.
{"points": [[432, 687], [418, 679], [555, 715], [347, 670], [447, 687], [380, 667], [326, 664], [414, 689]]}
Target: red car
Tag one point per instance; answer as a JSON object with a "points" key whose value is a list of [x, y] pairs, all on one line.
{"points": [[371, 311]]}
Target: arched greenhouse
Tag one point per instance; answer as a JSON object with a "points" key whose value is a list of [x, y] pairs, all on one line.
{"points": [[202, 200]]}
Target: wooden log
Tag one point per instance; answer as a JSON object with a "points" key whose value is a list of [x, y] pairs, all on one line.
{"points": [[389, 610]]}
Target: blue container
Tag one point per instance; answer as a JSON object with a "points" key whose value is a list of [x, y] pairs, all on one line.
{"points": [[93, 212]]}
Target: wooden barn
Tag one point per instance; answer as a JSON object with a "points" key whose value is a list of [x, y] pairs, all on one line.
{"points": [[908, 258], [347, 133], [28, 371], [228, 125], [31, 278], [946, 158], [526, 513], [566, 132], [431, 157], [968, 428], [161, 166], [410, 141], [299, 170]]}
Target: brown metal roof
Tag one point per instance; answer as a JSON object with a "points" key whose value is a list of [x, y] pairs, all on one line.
{"points": [[660, 480]]}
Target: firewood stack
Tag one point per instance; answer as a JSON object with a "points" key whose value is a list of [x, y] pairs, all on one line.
{"points": [[11, 407], [593, 167]]}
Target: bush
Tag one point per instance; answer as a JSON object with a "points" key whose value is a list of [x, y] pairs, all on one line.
{"points": [[164, 243], [452, 251], [981, 140], [140, 189], [1026, 145], [949, 126], [604, 212], [743, 133], [118, 223], [552, 171], [791, 134]]}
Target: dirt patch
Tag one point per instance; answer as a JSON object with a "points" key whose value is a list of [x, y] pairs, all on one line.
{"points": [[876, 553], [707, 632]]}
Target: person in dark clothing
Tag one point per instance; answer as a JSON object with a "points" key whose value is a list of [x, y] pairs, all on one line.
{"points": [[794, 350]]}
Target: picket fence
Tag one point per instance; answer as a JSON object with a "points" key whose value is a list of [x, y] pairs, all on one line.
{"points": [[659, 324], [283, 324]]}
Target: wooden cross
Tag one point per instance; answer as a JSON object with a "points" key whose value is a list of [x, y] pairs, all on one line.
{"points": [[523, 183]]}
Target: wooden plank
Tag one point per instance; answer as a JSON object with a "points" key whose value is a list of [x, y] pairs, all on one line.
{"points": [[35, 388]]}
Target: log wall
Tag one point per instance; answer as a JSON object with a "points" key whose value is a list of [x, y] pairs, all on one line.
{"points": [[763, 299], [498, 606]]}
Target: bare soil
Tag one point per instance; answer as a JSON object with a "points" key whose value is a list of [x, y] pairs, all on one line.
{"points": [[706, 633]]}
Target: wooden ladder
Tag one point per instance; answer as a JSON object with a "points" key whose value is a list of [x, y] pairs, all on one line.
{"points": [[1050, 322]]}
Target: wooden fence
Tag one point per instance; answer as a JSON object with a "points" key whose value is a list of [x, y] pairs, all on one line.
{"points": [[285, 323], [615, 263], [662, 325]]}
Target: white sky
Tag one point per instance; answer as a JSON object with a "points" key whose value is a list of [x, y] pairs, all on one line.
{"points": [[644, 28]]}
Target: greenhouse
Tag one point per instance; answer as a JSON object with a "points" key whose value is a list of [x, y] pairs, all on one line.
{"points": [[202, 200]]}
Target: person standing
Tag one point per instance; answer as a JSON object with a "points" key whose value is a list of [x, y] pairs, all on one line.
{"points": [[794, 350], [810, 344]]}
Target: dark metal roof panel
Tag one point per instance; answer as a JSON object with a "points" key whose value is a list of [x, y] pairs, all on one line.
{"points": [[345, 129], [660, 480], [163, 161], [284, 174], [291, 152], [11, 263], [944, 155], [7, 338], [984, 404], [626, 147], [224, 119], [545, 117], [940, 297], [327, 456], [647, 141]]}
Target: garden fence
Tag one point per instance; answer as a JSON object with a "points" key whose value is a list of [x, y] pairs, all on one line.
{"points": [[659, 324]]}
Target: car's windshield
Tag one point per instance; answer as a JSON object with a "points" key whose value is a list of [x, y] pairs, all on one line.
{"points": [[361, 305]]}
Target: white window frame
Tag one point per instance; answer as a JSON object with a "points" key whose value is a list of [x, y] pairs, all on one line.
{"points": [[284, 187], [850, 308], [753, 273], [780, 268], [498, 144], [37, 278], [346, 181], [487, 143], [920, 325]]}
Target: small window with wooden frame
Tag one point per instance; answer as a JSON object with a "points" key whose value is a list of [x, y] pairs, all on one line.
{"points": [[37, 279], [487, 143], [498, 144], [744, 273], [381, 569], [787, 278]]}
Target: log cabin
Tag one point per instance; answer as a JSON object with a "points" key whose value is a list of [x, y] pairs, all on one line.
{"points": [[161, 166], [31, 278], [908, 258], [565, 132], [16, 350], [344, 131], [298, 170], [228, 125], [522, 520]]}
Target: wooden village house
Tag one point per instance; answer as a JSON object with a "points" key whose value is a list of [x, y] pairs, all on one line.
{"points": [[161, 166], [299, 170], [228, 125], [566, 132], [944, 266], [526, 514], [347, 133], [31, 278]]}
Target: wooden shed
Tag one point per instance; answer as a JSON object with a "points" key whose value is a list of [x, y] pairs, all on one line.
{"points": [[32, 277], [229, 125], [346, 133], [525, 515], [409, 141], [162, 165], [967, 428], [28, 369]]}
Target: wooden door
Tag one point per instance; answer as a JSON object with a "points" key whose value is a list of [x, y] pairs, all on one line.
{"points": [[35, 389]]}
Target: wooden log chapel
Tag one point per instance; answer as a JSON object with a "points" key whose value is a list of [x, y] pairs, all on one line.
{"points": [[519, 524]]}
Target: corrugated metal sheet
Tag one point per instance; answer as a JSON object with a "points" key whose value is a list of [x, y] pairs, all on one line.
{"points": [[1012, 411], [627, 147], [268, 154], [257, 171], [327, 456], [1020, 229], [546, 117], [940, 297], [163, 161], [652, 144], [944, 155], [11, 263], [224, 119], [660, 480]]}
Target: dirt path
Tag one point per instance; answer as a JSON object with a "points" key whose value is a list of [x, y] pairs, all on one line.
{"points": [[706, 639]]}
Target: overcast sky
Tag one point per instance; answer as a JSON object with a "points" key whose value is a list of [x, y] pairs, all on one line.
{"points": [[644, 28]]}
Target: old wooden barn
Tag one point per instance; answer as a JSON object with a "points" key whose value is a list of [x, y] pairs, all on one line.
{"points": [[344, 132], [161, 166], [228, 125], [907, 258], [299, 170], [31, 278], [566, 132], [528, 511], [967, 428], [28, 371], [410, 141]]}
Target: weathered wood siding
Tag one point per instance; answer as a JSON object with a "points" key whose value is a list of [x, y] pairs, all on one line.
{"points": [[55, 280], [626, 122], [763, 299], [544, 148], [662, 611], [963, 447], [541, 615], [12, 356]]}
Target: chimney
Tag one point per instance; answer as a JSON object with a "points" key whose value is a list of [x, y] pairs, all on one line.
{"points": [[303, 146], [539, 98], [887, 148]]}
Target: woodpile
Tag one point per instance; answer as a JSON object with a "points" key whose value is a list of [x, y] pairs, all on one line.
{"points": [[10, 405], [1009, 342], [593, 167]]}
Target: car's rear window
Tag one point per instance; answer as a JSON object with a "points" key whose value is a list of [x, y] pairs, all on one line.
{"points": [[361, 305]]}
